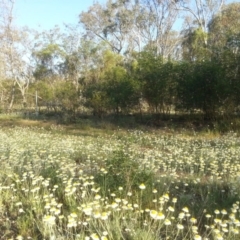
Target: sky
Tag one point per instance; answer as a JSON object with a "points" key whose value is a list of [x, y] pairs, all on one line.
{"points": [[45, 14]]}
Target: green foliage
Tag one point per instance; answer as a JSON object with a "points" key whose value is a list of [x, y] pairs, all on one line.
{"points": [[224, 28], [67, 96], [95, 98], [157, 81], [41, 72], [115, 90], [122, 91], [110, 60], [195, 46], [44, 89], [202, 86], [98, 75], [46, 60], [121, 171]]}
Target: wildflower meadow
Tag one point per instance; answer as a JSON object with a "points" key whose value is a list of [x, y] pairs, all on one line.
{"points": [[130, 185]]}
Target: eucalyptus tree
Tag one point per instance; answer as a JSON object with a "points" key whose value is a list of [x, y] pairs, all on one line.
{"points": [[15, 52], [130, 25], [72, 62], [54, 60], [155, 21], [193, 46], [48, 54], [199, 13], [224, 29], [224, 32], [48, 61], [110, 23], [85, 63], [84, 66]]}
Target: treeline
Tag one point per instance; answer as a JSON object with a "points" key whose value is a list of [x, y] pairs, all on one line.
{"points": [[127, 58]]}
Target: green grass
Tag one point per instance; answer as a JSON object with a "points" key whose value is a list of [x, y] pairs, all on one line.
{"points": [[101, 182]]}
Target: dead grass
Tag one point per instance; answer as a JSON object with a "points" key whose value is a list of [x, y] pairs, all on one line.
{"points": [[53, 125], [13, 122], [92, 127]]}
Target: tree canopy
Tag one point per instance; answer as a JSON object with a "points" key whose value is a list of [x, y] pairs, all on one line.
{"points": [[126, 54]]}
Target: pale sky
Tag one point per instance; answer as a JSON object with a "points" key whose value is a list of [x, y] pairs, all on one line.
{"points": [[45, 14], [48, 13]]}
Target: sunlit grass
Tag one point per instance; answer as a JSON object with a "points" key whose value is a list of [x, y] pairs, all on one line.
{"points": [[120, 185]]}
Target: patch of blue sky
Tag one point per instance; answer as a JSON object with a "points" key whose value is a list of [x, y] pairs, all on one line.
{"points": [[45, 14]]}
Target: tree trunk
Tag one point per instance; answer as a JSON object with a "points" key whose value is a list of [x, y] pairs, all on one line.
{"points": [[12, 97]]}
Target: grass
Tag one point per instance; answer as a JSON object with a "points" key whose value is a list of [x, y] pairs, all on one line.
{"points": [[101, 182]]}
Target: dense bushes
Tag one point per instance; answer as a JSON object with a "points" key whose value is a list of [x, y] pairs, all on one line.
{"points": [[207, 87], [210, 87]]}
